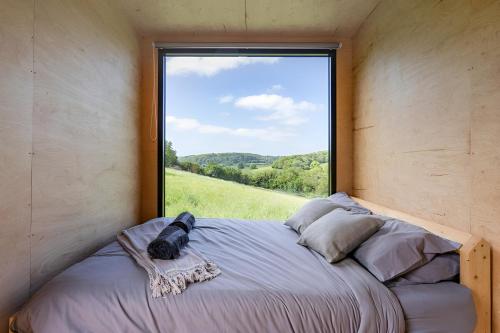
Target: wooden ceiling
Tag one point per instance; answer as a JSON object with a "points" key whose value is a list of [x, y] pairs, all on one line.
{"points": [[340, 18]]}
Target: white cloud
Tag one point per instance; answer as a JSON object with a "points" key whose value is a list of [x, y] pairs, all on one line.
{"points": [[275, 88], [283, 109], [226, 99], [191, 124], [209, 66]]}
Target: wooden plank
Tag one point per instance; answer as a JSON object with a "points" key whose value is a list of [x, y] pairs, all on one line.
{"points": [[444, 231], [344, 118], [149, 132], [475, 273]]}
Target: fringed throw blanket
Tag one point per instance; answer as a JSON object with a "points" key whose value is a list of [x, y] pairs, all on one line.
{"points": [[166, 276]]}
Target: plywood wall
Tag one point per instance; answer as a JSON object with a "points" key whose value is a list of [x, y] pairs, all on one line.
{"points": [[69, 133], [16, 106], [86, 145], [427, 114], [149, 98]]}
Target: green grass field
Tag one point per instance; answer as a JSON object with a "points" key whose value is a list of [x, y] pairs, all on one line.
{"points": [[209, 197]]}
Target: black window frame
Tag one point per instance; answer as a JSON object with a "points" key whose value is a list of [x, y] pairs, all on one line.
{"points": [[243, 52]]}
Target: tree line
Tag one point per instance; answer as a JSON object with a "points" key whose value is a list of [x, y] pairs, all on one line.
{"points": [[299, 174], [230, 159]]}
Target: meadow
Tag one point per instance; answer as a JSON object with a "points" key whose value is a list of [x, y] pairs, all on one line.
{"points": [[211, 197], [304, 175]]}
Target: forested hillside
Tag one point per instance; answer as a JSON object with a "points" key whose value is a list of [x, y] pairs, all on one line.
{"points": [[304, 161], [305, 174], [229, 159]]}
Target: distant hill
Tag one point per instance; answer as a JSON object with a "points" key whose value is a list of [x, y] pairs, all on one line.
{"points": [[229, 159], [305, 174]]}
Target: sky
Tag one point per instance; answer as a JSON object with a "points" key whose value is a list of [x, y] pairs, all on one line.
{"points": [[262, 105]]}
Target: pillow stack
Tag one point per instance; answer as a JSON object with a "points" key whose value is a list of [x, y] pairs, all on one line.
{"points": [[334, 226], [444, 267], [337, 233], [398, 249], [395, 252], [310, 212]]}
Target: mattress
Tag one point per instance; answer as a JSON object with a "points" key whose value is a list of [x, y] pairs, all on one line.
{"points": [[436, 308], [268, 284]]}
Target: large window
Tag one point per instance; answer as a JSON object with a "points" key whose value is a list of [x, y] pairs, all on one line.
{"points": [[245, 133]]}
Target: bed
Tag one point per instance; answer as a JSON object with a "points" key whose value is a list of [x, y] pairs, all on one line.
{"points": [[268, 284], [475, 260]]}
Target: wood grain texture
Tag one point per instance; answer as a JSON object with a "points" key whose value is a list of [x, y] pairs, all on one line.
{"points": [[335, 18], [149, 131], [16, 96], [149, 97], [85, 133], [475, 273], [426, 121], [485, 136], [344, 117], [441, 230], [69, 116], [475, 259]]}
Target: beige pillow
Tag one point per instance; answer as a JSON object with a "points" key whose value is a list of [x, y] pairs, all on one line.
{"points": [[339, 232], [310, 212]]}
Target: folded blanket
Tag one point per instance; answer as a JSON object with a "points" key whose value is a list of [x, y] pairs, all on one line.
{"points": [[185, 221], [168, 244], [166, 276]]}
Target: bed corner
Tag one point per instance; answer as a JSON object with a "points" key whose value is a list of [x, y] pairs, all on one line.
{"points": [[475, 260], [475, 273]]}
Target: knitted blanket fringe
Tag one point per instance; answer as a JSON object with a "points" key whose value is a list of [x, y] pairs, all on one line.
{"points": [[164, 284]]}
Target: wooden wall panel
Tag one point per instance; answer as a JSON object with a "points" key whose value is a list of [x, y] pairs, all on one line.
{"points": [[148, 133], [149, 143], [69, 133], [426, 117], [16, 105], [85, 134], [344, 117], [485, 136]]}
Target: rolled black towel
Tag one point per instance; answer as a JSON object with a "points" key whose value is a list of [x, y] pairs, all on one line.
{"points": [[185, 221], [168, 243]]}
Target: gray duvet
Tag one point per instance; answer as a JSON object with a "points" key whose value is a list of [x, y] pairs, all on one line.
{"points": [[268, 284]]}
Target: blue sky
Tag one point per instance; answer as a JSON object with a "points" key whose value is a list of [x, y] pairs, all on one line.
{"points": [[268, 106]]}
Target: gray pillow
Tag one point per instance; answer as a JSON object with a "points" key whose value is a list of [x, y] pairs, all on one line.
{"points": [[339, 232], [400, 247], [444, 267], [345, 200], [310, 212]]}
